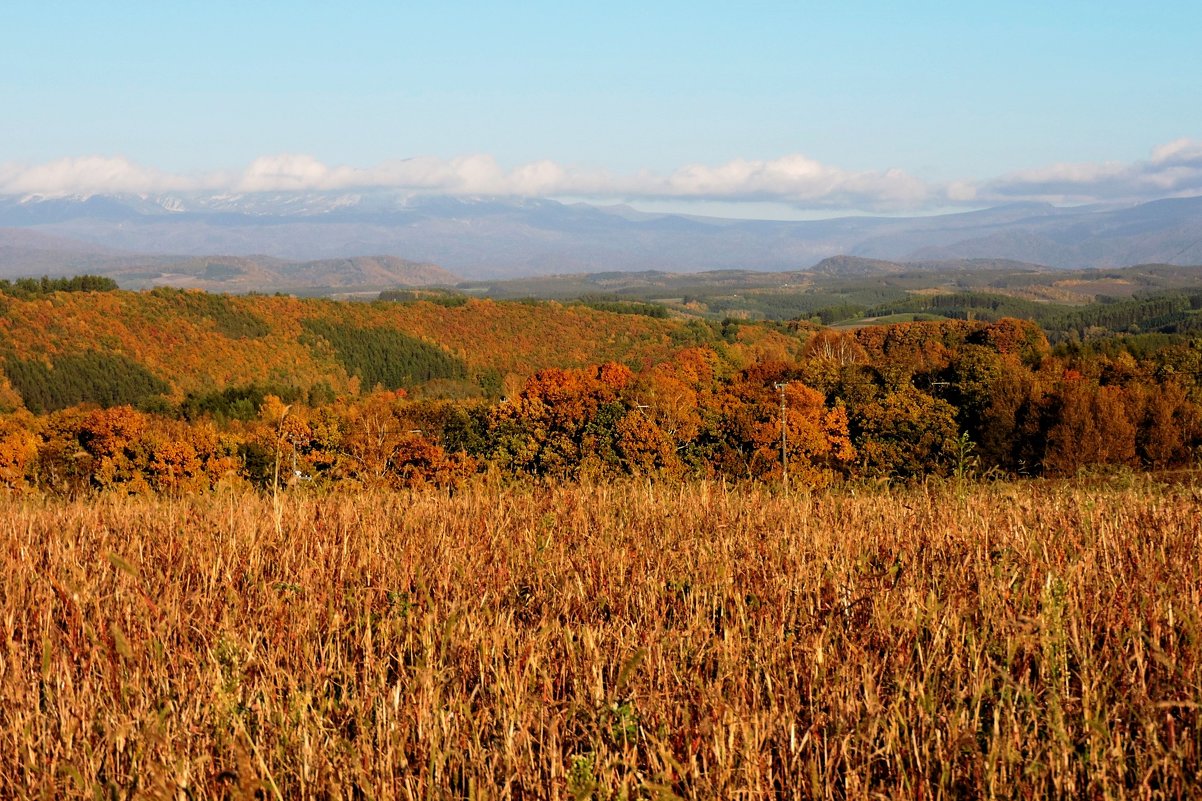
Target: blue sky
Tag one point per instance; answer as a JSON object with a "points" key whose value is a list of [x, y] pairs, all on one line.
{"points": [[811, 107]]}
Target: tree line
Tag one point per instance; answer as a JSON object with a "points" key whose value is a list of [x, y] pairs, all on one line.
{"points": [[953, 398], [26, 288]]}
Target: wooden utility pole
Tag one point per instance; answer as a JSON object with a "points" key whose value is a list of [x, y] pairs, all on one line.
{"points": [[784, 453]]}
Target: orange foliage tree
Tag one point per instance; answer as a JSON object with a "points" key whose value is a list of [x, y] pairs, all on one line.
{"points": [[746, 434], [676, 391], [1168, 425], [1092, 426], [572, 422], [122, 449], [18, 449], [906, 433], [378, 442]]}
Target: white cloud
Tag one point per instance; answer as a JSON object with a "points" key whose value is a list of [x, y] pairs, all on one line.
{"points": [[1172, 169], [283, 173], [793, 179], [1179, 152], [88, 175]]}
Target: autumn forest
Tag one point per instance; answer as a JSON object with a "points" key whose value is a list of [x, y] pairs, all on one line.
{"points": [[181, 391]]}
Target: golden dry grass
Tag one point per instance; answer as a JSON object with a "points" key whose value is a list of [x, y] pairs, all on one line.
{"points": [[608, 641]]}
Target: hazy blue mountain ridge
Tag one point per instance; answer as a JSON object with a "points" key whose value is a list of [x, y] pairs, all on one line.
{"points": [[496, 237]]}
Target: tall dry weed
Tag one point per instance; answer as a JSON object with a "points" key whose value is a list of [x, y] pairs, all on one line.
{"points": [[605, 641]]}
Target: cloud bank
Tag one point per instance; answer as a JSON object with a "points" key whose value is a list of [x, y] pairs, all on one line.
{"points": [[1173, 169]]}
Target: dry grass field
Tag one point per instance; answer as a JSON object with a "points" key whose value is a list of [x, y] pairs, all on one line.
{"points": [[606, 641]]}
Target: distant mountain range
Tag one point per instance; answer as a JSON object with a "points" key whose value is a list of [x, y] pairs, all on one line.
{"points": [[490, 238], [26, 252]]}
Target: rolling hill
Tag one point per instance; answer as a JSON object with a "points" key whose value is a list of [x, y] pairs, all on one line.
{"points": [[26, 252], [57, 348]]}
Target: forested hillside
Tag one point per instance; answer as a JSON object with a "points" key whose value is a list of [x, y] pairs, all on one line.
{"points": [[190, 342], [172, 389]]}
